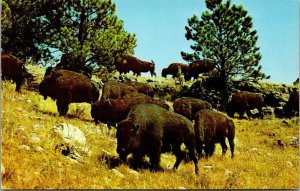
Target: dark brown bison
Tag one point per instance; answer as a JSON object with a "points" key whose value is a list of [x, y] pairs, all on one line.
{"points": [[142, 88], [127, 63], [213, 127], [188, 106], [291, 108], [67, 87], [113, 111], [74, 63], [245, 101], [151, 130], [116, 90], [173, 69], [13, 69], [198, 67]]}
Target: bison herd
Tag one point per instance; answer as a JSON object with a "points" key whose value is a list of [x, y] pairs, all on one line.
{"points": [[147, 126]]}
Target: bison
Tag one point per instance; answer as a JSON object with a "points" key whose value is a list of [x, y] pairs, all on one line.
{"points": [[74, 63], [173, 69], [291, 108], [188, 106], [113, 111], [116, 90], [127, 63], [198, 67], [213, 127], [67, 87], [142, 88], [245, 101], [151, 130], [13, 69]]}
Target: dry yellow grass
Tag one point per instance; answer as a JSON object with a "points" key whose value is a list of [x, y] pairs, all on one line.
{"points": [[259, 161]]}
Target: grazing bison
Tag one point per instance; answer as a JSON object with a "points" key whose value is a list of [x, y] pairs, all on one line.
{"points": [[127, 63], [198, 67], [188, 106], [74, 63], [67, 87], [151, 130], [173, 69], [142, 88], [116, 90], [213, 127], [245, 101], [291, 108], [13, 69], [113, 111]]}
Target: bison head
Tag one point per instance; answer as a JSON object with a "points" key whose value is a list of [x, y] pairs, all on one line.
{"points": [[127, 138], [164, 73]]}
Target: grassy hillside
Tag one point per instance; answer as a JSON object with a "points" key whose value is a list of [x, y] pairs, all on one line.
{"points": [[32, 162]]}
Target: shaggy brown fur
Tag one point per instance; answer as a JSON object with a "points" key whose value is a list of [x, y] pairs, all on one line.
{"points": [[116, 90], [292, 106], [67, 87], [198, 67], [113, 111], [188, 106], [13, 69], [74, 63], [127, 63], [173, 69], [213, 127], [245, 101], [151, 130], [142, 88]]}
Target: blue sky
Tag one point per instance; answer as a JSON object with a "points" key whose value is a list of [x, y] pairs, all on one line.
{"points": [[159, 26]]}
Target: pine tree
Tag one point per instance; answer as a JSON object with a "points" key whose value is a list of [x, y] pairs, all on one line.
{"points": [[223, 35], [87, 29]]}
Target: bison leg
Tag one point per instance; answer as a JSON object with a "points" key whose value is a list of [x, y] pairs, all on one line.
{"points": [[179, 155], [231, 144], [223, 145], [137, 161], [19, 83], [209, 149], [193, 156], [62, 107]]}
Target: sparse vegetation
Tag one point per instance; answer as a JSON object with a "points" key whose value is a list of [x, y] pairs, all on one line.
{"points": [[32, 162]]}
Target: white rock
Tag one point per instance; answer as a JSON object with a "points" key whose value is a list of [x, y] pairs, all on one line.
{"points": [[2, 169], [70, 133], [289, 164], [39, 149], [19, 109], [35, 139], [36, 126], [253, 150], [228, 172], [26, 147], [133, 172], [208, 167], [118, 173]]}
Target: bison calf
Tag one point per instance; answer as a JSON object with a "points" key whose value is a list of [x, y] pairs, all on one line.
{"points": [[151, 130], [188, 106], [213, 127]]}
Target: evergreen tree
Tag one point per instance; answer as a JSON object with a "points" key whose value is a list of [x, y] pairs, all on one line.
{"points": [[224, 35], [87, 29]]}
